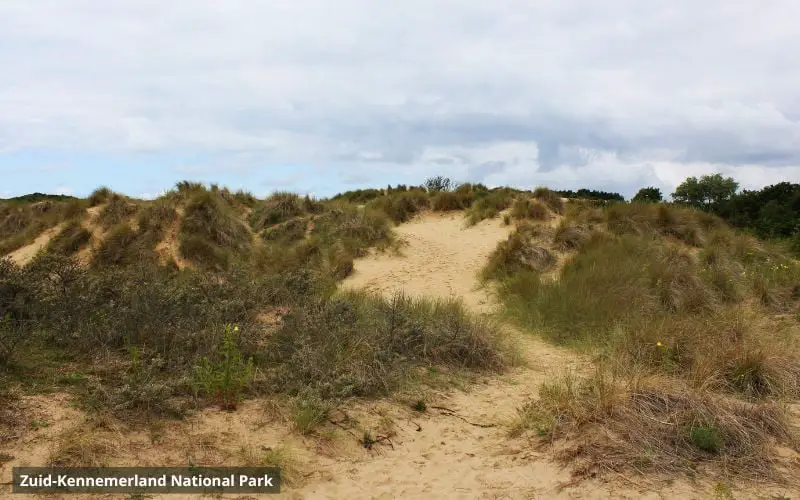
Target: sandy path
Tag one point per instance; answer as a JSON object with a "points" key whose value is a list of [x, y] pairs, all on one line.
{"points": [[23, 255], [450, 458]]}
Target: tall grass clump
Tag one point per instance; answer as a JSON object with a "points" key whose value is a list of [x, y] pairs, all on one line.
{"points": [[550, 198], [100, 196], [517, 254], [528, 209], [488, 205], [402, 206], [281, 207], [117, 210], [211, 233]]}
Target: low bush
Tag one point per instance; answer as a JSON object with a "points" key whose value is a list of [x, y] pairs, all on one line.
{"points": [[354, 344], [445, 201]]}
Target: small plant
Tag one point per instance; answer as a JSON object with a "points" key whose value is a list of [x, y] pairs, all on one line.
{"points": [[225, 379], [707, 438], [39, 424], [309, 411], [420, 406]]}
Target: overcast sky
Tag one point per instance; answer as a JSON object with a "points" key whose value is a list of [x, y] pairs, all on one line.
{"points": [[322, 96]]}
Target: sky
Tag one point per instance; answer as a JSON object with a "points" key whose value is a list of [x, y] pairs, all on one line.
{"points": [[320, 96]]}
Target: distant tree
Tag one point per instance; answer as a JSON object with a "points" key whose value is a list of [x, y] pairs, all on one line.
{"points": [[648, 195], [438, 183], [709, 193], [591, 194]]}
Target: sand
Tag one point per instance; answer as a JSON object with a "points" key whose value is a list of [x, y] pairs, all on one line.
{"points": [[441, 258], [23, 255]]}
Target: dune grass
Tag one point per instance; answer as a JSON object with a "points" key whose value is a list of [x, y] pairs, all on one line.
{"points": [[665, 292]]}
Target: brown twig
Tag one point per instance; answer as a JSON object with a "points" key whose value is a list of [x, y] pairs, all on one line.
{"points": [[452, 413]]}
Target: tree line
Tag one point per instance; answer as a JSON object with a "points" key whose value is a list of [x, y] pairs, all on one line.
{"points": [[771, 212]]}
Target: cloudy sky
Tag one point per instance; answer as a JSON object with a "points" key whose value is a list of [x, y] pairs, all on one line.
{"points": [[322, 96]]}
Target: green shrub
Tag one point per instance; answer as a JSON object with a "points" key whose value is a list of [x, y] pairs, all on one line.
{"points": [[517, 254], [11, 338], [438, 184], [354, 344], [444, 201], [707, 438], [309, 411], [225, 379]]}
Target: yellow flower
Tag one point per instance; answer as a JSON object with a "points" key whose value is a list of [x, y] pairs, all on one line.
{"points": [[659, 344], [236, 328]]}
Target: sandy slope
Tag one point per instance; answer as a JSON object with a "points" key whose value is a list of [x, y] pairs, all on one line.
{"points": [[23, 255], [441, 259]]}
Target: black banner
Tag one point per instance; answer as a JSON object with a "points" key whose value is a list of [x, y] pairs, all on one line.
{"points": [[144, 480]]}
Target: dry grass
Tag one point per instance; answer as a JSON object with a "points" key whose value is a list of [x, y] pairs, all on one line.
{"points": [[651, 426], [550, 198], [91, 445], [528, 209], [281, 457]]}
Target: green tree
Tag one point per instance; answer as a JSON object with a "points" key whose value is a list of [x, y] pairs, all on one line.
{"points": [[648, 195], [438, 184], [709, 193]]}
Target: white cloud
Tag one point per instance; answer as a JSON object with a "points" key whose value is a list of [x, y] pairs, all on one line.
{"points": [[606, 93]]}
